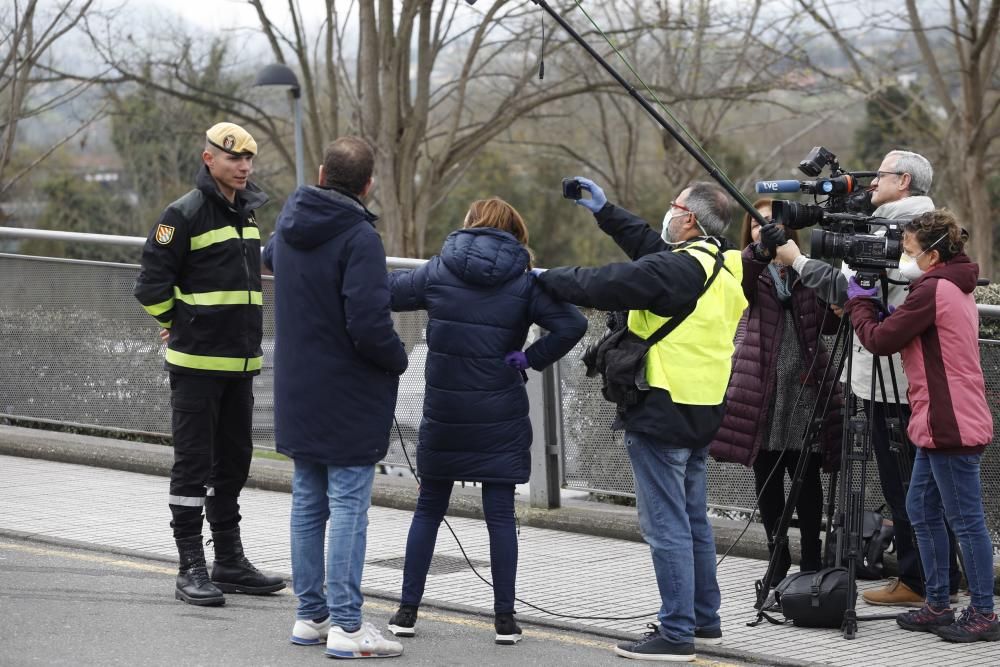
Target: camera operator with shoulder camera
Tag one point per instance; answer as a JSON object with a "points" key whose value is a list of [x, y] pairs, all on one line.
{"points": [[667, 432], [899, 191]]}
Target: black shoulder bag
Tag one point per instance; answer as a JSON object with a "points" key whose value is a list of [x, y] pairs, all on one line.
{"points": [[813, 599], [620, 356]]}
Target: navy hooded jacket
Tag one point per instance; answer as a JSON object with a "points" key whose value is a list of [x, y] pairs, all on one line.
{"points": [[480, 302], [337, 358]]}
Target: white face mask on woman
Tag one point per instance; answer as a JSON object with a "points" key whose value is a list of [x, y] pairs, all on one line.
{"points": [[908, 267]]}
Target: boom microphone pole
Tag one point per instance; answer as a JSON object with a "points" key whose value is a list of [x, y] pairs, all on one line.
{"points": [[712, 170]]}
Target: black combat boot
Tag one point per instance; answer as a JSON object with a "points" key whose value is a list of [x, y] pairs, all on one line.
{"points": [[193, 584], [233, 573]]}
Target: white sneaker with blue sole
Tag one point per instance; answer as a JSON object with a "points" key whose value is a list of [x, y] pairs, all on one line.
{"points": [[365, 642], [310, 633]]}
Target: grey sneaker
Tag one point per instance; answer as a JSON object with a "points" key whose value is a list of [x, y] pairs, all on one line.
{"points": [[653, 646]]}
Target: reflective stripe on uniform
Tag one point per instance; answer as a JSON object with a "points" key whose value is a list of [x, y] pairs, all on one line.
{"points": [[223, 298], [186, 501], [201, 362], [158, 309], [222, 234]]}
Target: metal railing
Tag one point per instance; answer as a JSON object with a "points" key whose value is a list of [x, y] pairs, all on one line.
{"points": [[76, 348]]}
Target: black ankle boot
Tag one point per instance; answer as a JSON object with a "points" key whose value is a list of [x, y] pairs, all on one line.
{"points": [[193, 584], [233, 573]]}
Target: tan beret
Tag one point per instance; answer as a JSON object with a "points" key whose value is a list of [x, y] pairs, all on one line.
{"points": [[231, 138]]}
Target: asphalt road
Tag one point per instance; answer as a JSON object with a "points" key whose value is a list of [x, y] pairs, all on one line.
{"points": [[65, 606]]}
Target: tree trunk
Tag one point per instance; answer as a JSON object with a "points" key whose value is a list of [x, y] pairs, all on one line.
{"points": [[978, 219]]}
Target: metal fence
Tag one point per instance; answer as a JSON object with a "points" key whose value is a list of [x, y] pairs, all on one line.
{"points": [[76, 348]]}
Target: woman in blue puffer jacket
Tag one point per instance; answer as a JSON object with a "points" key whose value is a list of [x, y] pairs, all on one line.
{"points": [[481, 300]]}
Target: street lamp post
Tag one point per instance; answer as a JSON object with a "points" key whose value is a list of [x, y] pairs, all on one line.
{"points": [[282, 75]]}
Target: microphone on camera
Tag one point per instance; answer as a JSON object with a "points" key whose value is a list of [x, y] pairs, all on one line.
{"points": [[779, 187], [838, 185]]}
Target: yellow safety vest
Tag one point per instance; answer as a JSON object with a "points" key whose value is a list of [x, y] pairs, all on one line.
{"points": [[694, 361]]}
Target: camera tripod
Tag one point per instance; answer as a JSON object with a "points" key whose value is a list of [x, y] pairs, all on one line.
{"points": [[845, 523]]}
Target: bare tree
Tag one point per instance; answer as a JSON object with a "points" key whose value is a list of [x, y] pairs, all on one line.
{"points": [[31, 83], [972, 125], [428, 82], [957, 54], [708, 63]]}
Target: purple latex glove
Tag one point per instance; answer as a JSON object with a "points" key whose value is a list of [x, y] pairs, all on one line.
{"points": [[854, 290], [882, 314], [516, 359]]}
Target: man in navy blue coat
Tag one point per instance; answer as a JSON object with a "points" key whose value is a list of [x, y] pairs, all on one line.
{"points": [[337, 365]]}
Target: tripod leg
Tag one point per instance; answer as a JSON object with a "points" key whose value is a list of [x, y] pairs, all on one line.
{"points": [[810, 446]]}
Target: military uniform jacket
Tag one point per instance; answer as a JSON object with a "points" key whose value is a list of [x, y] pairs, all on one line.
{"points": [[200, 279]]}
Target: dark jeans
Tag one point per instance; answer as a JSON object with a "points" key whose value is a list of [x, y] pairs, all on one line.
{"points": [[432, 503], [948, 487], [892, 478], [212, 421], [809, 506]]}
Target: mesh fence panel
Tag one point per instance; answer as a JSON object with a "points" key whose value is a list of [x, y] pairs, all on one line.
{"points": [[595, 458], [76, 347]]}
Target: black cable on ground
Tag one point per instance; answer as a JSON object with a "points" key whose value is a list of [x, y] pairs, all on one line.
{"points": [[413, 471]]}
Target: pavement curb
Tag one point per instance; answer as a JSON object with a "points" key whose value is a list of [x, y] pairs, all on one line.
{"points": [[434, 604], [575, 516]]}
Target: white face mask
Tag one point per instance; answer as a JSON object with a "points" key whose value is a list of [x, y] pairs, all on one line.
{"points": [[908, 267], [665, 233]]}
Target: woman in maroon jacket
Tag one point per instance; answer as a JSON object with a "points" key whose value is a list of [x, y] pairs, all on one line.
{"points": [[936, 329], [777, 368]]}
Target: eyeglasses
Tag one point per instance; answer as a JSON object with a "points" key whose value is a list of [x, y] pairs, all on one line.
{"points": [[674, 204], [878, 174]]}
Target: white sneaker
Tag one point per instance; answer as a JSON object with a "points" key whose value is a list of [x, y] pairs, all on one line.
{"points": [[367, 642], [310, 633]]}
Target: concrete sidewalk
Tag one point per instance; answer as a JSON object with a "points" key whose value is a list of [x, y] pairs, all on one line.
{"points": [[564, 573]]}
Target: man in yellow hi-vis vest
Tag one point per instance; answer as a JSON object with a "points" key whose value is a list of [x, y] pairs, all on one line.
{"points": [[200, 280], [668, 431]]}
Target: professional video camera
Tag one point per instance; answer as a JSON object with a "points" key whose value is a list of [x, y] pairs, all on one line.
{"points": [[843, 190], [849, 232]]}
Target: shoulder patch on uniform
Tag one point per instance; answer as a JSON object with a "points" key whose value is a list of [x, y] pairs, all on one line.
{"points": [[164, 234]]}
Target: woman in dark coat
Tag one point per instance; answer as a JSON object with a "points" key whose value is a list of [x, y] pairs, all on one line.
{"points": [[777, 368], [481, 300]]}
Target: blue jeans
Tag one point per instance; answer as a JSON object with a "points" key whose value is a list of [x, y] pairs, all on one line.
{"points": [[341, 496], [498, 507], [891, 478], [947, 486], [673, 516]]}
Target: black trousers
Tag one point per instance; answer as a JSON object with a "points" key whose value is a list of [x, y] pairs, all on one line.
{"points": [[890, 475], [212, 427], [809, 507]]}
